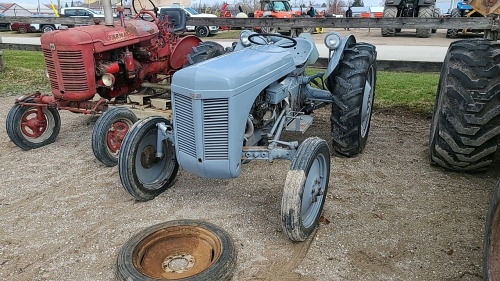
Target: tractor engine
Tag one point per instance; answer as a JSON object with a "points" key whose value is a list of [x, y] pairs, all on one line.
{"points": [[111, 60]]}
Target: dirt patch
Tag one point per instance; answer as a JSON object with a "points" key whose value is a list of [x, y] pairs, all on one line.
{"points": [[391, 215]]}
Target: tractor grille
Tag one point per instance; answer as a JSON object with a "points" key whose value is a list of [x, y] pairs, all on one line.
{"points": [[216, 128], [185, 125], [73, 71], [51, 68]]}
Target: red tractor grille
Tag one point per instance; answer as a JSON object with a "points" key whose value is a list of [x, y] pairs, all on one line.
{"points": [[73, 71], [51, 68]]}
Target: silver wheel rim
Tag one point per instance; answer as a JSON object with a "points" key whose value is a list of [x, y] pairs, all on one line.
{"points": [[314, 190]]}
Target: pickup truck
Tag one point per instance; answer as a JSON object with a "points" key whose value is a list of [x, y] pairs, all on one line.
{"points": [[23, 27], [201, 31]]}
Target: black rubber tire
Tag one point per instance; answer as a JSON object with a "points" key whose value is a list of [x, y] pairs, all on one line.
{"points": [[104, 128], [491, 241], [349, 130], [204, 51], [436, 14], [146, 186], [15, 132], [295, 226], [22, 29], [221, 269], [389, 12], [202, 31], [425, 12], [48, 28], [465, 128], [453, 33]]}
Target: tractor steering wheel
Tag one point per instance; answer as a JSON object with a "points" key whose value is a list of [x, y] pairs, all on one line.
{"points": [[291, 45]]}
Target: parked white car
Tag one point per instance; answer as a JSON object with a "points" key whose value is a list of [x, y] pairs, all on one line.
{"points": [[201, 31]]}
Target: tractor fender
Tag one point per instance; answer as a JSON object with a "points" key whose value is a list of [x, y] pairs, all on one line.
{"points": [[426, 3], [392, 2], [338, 54]]}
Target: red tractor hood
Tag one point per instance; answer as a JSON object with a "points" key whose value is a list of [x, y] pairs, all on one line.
{"points": [[103, 37]]}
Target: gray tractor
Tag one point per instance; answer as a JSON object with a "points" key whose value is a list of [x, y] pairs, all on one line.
{"points": [[233, 109]]}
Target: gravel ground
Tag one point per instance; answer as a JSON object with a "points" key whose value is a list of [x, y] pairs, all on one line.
{"points": [[389, 215]]}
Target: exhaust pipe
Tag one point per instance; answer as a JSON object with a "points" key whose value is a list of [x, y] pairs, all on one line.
{"points": [[108, 12]]}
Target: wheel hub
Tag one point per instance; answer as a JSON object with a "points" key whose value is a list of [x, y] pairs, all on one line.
{"points": [[115, 135], [148, 157], [178, 263], [31, 126]]}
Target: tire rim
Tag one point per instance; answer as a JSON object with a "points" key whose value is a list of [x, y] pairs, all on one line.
{"points": [[314, 189], [149, 169], [494, 247], [22, 29], [33, 129], [203, 32], [116, 134], [366, 109], [176, 252]]}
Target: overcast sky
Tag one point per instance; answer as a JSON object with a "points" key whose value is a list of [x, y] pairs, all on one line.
{"points": [[444, 5]]}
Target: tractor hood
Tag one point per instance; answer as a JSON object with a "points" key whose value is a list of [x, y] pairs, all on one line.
{"points": [[103, 37], [235, 72]]}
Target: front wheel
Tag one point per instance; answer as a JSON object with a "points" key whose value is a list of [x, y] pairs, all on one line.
{"points": [[32, 127], [353, 90], [142, 173], [47, 28], [187, 250], [305, 189], [108, 133], [425, 12], [389, 12], [491, 249]]}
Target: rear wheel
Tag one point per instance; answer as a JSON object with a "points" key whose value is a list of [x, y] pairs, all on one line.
{"points": [[22, 29], [202, 31], [305, 189], [187, 250], [491, 249], [465, 127], [32, 127], [389, 12], [353, 90], [425, 12], [204, 51], [142, 173], [108, 133], [453, 33], [47, 28]]}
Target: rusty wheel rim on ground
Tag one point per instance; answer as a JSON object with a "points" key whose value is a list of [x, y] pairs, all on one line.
{"points": [[176, 252], [185, 250]]}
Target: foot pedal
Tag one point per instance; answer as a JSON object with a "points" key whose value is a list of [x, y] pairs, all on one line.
{"points": [[300, 123]]}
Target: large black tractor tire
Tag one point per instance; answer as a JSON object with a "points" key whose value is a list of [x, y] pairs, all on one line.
{"points": [[305, 189], [425, 12], [108, 133], [184, 250], [491, 241], [453, 33], [465, 128], [142, 174], [26, 132], [389, 12], [204, 51], [352, 86]]}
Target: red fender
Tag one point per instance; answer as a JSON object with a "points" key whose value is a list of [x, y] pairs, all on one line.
{"points": [[183, 48]]}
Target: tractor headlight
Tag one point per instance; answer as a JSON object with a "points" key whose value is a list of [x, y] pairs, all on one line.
{"points": [[332, 40], [108, 79], [244, 37]]}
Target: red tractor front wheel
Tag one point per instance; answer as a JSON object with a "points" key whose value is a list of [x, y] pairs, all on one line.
{"points": [[108, 133], [32, 127]]}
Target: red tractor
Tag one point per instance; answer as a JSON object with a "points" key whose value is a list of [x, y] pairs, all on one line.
{"points": [[91, 67]]}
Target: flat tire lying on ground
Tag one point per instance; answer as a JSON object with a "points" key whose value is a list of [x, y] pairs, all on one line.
{"points": [[108, 133], [353, 90], [187, 250], [305, 189], [142, 173], [465, 127]]}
